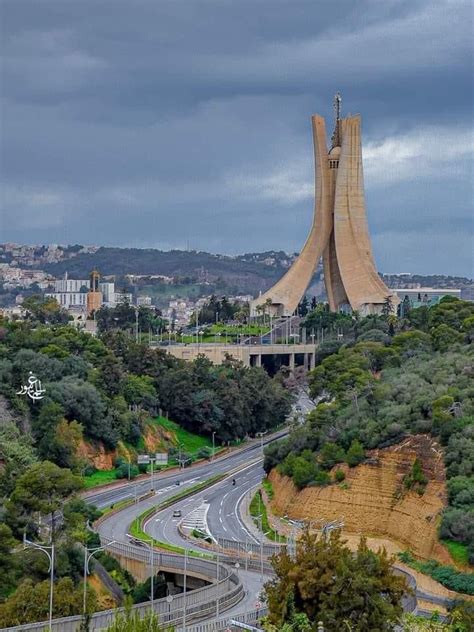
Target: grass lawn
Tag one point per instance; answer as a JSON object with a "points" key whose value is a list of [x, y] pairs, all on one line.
{"points": [[99, 478], [190, 442], [257, 508], [457, 551]]}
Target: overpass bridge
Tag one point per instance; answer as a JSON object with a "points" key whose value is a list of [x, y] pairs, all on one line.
{"points": [[249, 354]]}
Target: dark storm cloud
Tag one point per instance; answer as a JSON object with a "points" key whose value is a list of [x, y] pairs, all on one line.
{"points": [[167, 123]]}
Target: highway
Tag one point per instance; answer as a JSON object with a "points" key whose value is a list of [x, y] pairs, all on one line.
{"points": [[110, 495], [217, 506], [221, 511], [222, 498]]}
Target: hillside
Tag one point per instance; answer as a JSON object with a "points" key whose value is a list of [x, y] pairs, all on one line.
{"points": [[372, 500], [246, 273]]}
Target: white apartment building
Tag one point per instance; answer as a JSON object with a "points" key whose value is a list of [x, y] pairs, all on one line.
{"points": [[70, 300], [71, 285], [108, 293], [144, 300]]}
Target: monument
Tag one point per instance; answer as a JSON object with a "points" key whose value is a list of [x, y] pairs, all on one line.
{"points": [[339, 233]]}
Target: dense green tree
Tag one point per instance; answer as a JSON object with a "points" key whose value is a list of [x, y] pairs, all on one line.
{"points": [[322, 570], [8, 562], [30, 602], [331, 454], [44, 488], [44, 310], [16, 455], [355, 454]]}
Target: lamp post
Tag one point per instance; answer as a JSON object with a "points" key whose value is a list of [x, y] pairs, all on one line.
{"points": [[213, 445], [217, 582], [169, 601], [149, 545], [49, 552], [136, 325], [184, 586], [88, 553]]}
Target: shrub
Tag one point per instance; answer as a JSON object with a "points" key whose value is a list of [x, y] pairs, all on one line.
{"points": [[330, 454], [415, 479], [339, 476], [355, 454], [445, 575], [205, 452]]}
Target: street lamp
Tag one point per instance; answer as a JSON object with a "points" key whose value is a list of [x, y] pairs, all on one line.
{"points": [[169, 601], [88, 553], [49, 552], [136, 325], [149, 545], [213, 445], [184, 586]]}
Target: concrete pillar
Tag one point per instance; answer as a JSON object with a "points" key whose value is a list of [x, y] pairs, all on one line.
{"points": [[305, 361], [292, 361], [312, 361], [258, 360]]}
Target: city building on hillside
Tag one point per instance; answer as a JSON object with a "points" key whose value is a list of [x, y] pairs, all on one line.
{"points": [[70, 300], [108, 293], [71, 294], [123, 297], [67, 285], [424, 295], [144, 300]]}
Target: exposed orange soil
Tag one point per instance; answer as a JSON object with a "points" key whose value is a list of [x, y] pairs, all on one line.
{"points": [[104, 598], [372, 500], [155, 438], [97, 455]]}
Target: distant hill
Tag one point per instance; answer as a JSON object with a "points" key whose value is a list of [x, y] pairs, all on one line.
{"points": [[249, 273]]}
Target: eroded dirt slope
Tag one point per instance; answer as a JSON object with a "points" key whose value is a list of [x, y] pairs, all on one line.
{"points": [[373, 500]]}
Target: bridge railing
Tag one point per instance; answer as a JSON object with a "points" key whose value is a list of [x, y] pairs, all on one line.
{"points": [[199, 604]]}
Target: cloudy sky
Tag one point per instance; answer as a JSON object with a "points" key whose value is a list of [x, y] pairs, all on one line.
{"points": [[162, 124]]}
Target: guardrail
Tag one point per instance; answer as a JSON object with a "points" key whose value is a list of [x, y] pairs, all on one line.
{"points": [[249, 618]]}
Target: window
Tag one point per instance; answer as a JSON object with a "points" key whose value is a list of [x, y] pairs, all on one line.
{"points": [[333, 164]]}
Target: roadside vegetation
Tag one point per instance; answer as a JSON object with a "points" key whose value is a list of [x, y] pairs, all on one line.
{"points": [[446, 575], [395, 377], [258, 511], [103, 396], [322, 582]]}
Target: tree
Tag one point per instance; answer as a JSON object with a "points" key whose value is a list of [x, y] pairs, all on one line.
{"points": [[355, 454], [44, 310], [30, 602], [60, 444], [16, 454], [328, 583], [8, 563], [44, 488], [387, 307], [303, 306]]}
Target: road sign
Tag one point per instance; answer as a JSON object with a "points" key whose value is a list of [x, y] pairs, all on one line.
{"points": [[143, 459], [161, 458]]}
